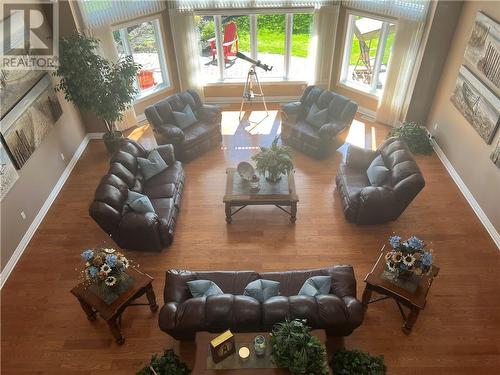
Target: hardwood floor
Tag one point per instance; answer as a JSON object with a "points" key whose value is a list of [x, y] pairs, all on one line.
{"points": [[44, 330]]}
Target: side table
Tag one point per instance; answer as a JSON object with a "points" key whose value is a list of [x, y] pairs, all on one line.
{"points": [[413, 301], [92, 304]]}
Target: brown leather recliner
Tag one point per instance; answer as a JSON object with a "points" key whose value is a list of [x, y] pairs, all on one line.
{"points": [[366, 204], [318, 143], [339, 312], [132, 230], [190, 142]]}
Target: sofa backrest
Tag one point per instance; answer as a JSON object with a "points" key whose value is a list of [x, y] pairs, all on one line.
{"points": [[112, 191], [161, 113]]}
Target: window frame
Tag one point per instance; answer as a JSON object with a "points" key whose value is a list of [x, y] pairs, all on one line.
{"points": [[160, 47], [372, 91], [252, 14]]}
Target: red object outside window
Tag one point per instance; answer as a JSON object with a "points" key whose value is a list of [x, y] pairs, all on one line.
{"points": [[146, 79]]}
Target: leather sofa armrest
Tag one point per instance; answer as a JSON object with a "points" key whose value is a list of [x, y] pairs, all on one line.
{"points": [[359, 157], [343, 281], [171, 133], [167, 153], [168, 316], [330, 130], [377, 204], [355, 310], [210, 114], [176, 289], [134, 226], [291, 111]]}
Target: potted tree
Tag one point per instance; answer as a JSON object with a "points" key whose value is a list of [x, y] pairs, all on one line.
{"points": [[275, 161], [95, 84]]}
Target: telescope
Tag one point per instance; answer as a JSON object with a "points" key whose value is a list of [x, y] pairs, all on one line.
{"points": [[254, 62]]}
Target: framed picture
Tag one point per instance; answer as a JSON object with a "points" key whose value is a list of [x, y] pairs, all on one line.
{"points": [[27, 124], [8, 174], [495, 154], [477, 104], [483, 50]]}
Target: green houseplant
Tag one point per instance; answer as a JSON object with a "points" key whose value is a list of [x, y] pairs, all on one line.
{"points": [[356, 362], [167, 364], [415, 136], [293, 347], [275, 161], [95, 84]]}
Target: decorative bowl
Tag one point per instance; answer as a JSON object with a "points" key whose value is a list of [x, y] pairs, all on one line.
{"points": [[245, 170]]}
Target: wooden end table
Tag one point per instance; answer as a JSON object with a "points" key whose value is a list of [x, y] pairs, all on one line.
{"points": [[280, 194], [92, 304], [414, 301]]}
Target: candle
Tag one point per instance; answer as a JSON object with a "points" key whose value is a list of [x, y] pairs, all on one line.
{"points": [[244, 353]]}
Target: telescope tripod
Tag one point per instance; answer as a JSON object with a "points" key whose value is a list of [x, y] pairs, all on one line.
{"points": [[249, 94]]}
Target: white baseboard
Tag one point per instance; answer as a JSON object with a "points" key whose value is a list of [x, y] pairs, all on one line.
{"points": [[371, 115], [467, 194], [45, 208]]}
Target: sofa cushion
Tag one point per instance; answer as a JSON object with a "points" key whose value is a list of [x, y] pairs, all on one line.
{"points": [[316, 117], [201, 131], [153, 165], [172, 175], [203, 288], [262, 289], [377, 172], [138, 202], [316, 285], [159, 191], [186, 118]]}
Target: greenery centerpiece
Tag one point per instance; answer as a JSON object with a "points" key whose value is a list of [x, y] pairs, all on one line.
{"points": [[95, 84], [408, 257], [356, 362], [273, 161], [167, 364], [415, 136], [293, 347]]}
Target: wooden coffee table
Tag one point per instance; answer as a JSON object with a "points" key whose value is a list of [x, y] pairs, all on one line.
{"points": [[92, 304], [280, 194], [414, 301]]}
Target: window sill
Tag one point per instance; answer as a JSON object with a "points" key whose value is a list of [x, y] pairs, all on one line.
{"points": [[360, 89], [152, 91], [264, 82]]}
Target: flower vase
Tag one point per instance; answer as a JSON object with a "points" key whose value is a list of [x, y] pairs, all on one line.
{"points": [[273, 177], [110, 293], [404, 275]]}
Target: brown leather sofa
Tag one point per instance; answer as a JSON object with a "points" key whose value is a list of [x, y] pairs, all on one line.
{"points": [[190, 142], [132, 230], [339, 312], [318, 143], [363, 203]]}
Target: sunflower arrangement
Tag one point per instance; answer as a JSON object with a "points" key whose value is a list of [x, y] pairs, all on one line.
{"points": [[408, 257], [104, 267]]}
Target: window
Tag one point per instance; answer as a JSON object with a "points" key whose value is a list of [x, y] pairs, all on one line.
{"points": [[143, 42], [280, 40], [366, 53]]}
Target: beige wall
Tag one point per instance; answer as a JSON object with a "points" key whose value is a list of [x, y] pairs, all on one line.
{"points": [[465, 149]]}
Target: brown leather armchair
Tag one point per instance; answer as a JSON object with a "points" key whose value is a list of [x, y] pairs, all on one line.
{"points": [[190, 142], [339, 312], [318, 143], [132, 230], [363, 203]]}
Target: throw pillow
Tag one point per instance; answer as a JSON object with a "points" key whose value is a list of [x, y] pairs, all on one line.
{"points": [[203, 288], [377, 171], [262, 289], [316, 285], [153, 165], [315, 117], [185, 118], [138, 202]]}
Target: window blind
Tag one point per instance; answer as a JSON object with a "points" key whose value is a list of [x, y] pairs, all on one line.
{"points": [[98, 13], [242, 4], [413, 10]]}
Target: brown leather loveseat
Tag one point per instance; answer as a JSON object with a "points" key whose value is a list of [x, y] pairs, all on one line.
{"points": [[339, 312], [363, 203], [151, 231]]}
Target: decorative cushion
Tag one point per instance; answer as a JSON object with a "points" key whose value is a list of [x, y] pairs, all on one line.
{"points": [[315, 117], [203, 288], [138, 202], [153, 165], [316, 285], [377, 171], [186, 118], [262, 289]]}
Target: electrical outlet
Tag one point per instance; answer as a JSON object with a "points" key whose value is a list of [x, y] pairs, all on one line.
{"points": [[23, 215], [62, 156]]}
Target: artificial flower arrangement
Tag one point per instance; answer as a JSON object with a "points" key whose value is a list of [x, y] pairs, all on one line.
{"points": [[409, 257], [104, 267]]}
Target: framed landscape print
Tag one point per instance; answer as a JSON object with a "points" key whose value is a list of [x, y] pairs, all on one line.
{"points": [[26, 125], [8, 174], [495, 155], [483, 50], [14, 84], [479, 105]]}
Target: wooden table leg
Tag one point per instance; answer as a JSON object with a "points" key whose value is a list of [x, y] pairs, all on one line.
{"points": [[293, 216], [367, 295], [228, 213], [410, 321], [150, 294], [116, 331], [89, 311]]}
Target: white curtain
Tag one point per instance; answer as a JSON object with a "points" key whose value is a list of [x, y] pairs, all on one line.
{"points": [[400, 69], [186, 46], [322, 45]]}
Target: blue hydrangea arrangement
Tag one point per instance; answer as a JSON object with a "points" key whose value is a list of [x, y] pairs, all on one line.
{"points": [[408, 257], [104, 267]]}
